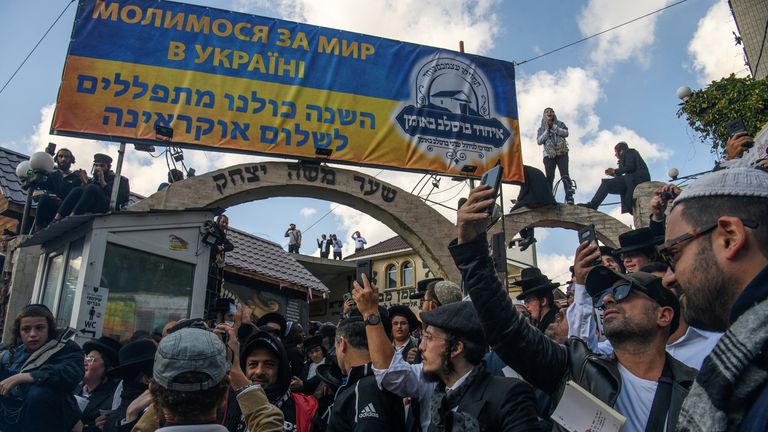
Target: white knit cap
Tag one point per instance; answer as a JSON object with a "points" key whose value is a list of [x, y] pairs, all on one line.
{"points": [[734, 182]]}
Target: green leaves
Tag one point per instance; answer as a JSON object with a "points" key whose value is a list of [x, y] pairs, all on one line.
{"points": [[710, 109]]}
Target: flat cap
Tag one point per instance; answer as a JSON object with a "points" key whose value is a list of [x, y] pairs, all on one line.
{"points": [[459, 319]]}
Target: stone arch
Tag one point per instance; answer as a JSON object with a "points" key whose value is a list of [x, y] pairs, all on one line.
{"points": [[573, 217], [422, 227]]}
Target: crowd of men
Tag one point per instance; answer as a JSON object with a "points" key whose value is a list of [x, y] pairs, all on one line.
{"points": [[668, 331]]}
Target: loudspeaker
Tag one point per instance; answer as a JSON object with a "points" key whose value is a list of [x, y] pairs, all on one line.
{"points": [[499, 252]]}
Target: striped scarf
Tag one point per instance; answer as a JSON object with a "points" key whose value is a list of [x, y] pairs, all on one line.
{"points": [[731, 377]]}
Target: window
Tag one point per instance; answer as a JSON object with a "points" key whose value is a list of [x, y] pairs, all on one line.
{"points": [[145, 290], [71, 273], [52, 278], [391, 276], [407, 274]]}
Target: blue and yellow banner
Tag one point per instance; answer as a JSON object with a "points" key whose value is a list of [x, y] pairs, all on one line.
{"points": [[231, 81]]}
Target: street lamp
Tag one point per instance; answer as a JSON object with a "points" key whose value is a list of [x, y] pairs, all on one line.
{"points": [[31, 174], [683, 93]]}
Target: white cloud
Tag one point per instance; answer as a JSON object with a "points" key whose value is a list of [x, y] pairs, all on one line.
{"points": [[713, 49], [573, 93], [556, 266], [625, 43], [307, 212], [625, 218], [350, 220], [440, 23]]}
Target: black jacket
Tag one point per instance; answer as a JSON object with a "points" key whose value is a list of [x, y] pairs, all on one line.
{"points": [[498, 403], [535, 191], [633, 170], [123, 190], [542, 362], [361, 406], [60, 184], [548, 319], [100, 399]]}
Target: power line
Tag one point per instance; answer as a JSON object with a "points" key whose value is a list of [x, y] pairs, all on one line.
{"points": [[36, 45], [598, 34]]}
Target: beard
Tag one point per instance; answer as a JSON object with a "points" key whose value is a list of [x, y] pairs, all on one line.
{"points": [[708, 292], [620, 329], [446, 367]]}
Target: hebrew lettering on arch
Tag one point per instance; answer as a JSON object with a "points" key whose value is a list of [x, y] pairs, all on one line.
{"points": [[178, 91], [371, 120], [187, 121], [388, 194], [220, 180], [310, 172], [202, 131], [301, 133], [202, 95], [124, 83], [230, 101], [268, 134], [252, 171], [291, 169], [329, 176], [243, 107], [273, 104], [240, 129], [234, 173], [347, 117], [291, 113], [258, 102], [373, 187], [331, 117], [360, 179], [318, 112]]}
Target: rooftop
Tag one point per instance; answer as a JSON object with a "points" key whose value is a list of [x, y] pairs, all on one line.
{"points": [[393, 244]]}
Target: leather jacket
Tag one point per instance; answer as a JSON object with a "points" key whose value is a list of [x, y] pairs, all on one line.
{"points": [[542, 362]]}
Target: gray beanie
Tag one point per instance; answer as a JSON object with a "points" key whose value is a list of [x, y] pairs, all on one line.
{"points": [[733, 182]]}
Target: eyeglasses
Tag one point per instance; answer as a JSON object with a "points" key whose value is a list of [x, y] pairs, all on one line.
{"points": [[90, 359], [669, 256], [531, 299], [618, 292], [429, 337]]}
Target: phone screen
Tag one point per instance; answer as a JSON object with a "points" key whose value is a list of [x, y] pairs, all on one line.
{"points": [[587, 234], [364, 267]]}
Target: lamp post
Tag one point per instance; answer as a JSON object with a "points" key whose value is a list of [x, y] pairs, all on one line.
{"points": [[31, 174]]}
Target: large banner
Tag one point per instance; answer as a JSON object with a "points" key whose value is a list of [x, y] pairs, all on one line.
{"points": [[231, 81]]}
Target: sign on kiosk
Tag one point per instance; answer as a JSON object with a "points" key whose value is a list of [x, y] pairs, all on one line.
{"points": [[237, 82], [90, 320]]}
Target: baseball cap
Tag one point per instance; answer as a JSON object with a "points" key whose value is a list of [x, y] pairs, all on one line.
{"points": [[190, 350], [600, 278]]}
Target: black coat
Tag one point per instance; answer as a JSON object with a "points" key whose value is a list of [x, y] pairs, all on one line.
{"points": [[535, 191], [542, 362], [548, 319], [100, 399], [361, 406], [499, 404], [633, 170]]}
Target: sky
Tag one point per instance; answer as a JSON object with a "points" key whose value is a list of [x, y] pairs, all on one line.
{"points": [[619, 86]]}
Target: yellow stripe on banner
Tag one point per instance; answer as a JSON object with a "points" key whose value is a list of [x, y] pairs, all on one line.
{"points": [[124, 100]]}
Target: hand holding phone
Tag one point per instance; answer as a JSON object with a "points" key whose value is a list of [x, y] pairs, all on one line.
{"points": [[587, 234], [735, 126], [492, 178]]}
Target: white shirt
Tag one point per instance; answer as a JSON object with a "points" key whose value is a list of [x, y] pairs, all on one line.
{"points": [[458, 382], [312, 371], [360, 243], [635, 400], [407, 380], [691, 349]]}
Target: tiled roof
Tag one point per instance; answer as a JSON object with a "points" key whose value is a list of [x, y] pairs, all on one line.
{"points": [[10, 186], [267, 258], [390, 245]]}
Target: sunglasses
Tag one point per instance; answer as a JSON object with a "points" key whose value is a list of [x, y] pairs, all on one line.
{"points": [[618, 292], [669, 255]]}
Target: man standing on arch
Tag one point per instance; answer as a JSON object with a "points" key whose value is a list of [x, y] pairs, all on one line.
{"points": [[551, 135]]}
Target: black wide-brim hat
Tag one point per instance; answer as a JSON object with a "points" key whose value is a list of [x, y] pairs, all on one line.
{"points": [[421, 288], [533, 281], [135, 356], [641, 238], [274, 317], [108, 347], [406, 312], [331, 375], [314, 342]]}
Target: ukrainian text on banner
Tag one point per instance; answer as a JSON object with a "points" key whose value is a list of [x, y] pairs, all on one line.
{"points": [[233, 81]]}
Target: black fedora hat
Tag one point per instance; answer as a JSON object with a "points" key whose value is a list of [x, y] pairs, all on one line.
{"points": [[641, 238], [404, 311], [107, 347], [314, 342], [421, 288], [331, 375], [532, 281], [274, 317], [134, 357]]}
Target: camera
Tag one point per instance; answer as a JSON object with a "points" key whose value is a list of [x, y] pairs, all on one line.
{"points": [[667, 196]]}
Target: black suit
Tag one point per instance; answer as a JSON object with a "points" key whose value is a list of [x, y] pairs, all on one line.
{"points": [[100, 399], [631, 172]]}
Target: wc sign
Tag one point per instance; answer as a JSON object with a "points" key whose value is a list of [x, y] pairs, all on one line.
{"points": [[90, 321]]}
